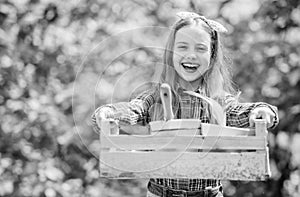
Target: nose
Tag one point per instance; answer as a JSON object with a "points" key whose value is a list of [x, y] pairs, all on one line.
{"points": [[191, 56]]}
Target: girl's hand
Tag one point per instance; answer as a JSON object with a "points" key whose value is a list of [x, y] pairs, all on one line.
{"points": [[105, 113], [262, 113]]}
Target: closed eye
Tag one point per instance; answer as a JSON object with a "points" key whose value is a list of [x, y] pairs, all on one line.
{"points": [[182, 47], [201, 49]]}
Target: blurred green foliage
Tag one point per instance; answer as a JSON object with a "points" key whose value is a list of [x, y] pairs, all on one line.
{"points": [[61, 59]]}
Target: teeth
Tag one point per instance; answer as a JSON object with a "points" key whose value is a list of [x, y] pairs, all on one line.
{"points": [[190, 65]]}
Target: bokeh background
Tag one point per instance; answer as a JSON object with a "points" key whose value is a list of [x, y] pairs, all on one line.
{"points": [[61, 59]]}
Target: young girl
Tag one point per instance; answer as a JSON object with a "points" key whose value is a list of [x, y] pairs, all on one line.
{"points": [[193, 61]]}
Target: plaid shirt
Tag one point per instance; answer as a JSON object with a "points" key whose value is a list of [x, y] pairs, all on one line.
{"points": [[140, 110]]}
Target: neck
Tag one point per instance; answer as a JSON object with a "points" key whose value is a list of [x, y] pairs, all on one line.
{"points": [[190, 85]]}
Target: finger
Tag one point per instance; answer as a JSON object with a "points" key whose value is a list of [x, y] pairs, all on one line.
{"points": [[98, 119], [100, 116], [114, 126], [272, 119], [252, 118], [266, 117]]}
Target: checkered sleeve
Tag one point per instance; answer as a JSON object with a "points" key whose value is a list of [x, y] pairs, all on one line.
{"points": [[133, 112], [237, 113]]}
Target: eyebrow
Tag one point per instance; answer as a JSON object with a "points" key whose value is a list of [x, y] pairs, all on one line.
{"points": [[198, 44], [181, 42], [202, 44]]}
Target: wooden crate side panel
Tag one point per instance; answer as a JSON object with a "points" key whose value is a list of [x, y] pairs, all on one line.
{"points": [[207, 129], [130, 142], [184, 124], [216, 130], [176, 132], [175, 124], [228, 166]]}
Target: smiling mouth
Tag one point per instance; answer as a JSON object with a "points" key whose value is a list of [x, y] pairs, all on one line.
{"points": [[190, 67]]}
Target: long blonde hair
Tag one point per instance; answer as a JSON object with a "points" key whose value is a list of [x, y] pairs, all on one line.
{"points": [[216, 81]]}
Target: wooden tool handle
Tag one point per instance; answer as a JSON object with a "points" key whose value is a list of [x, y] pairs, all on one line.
{"points": [[166, 98]]}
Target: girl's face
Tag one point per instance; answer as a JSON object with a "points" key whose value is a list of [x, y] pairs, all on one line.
{"points": [[191, 54]]}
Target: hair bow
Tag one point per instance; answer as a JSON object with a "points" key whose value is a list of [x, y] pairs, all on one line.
{"points": [[211, 23]]}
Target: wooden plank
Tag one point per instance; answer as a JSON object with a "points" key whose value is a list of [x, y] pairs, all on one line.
{"points": [[175, 124], [216, 130], [261, 127], [207, 129], [153, 142], [105, 127], [135, 129], [210, 165], [268, 169], [177, 132]]}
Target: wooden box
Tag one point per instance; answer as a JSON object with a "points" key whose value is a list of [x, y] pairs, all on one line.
{"points": [[185, 149]]}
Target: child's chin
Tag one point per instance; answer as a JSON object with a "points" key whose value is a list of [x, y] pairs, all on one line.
{"points": [[191, 79]]}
